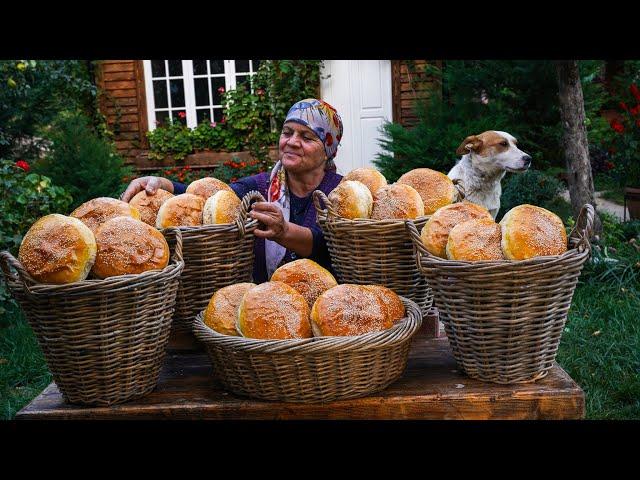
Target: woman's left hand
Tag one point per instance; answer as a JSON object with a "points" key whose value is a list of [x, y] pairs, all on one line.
{"points": [[270, 214]]}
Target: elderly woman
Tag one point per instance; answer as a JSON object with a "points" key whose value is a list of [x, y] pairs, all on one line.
{"points": [[308, 144]]}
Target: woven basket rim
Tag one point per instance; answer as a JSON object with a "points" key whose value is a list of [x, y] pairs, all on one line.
{"points": [[398, 333]]}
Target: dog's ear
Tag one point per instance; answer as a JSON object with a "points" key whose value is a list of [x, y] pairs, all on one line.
{"points": [[472, 142]]}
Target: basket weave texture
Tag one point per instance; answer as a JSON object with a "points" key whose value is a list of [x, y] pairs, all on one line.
{"points": [[104, 341], [215, 256], [504, 319], [318, 369], [373, 252]]}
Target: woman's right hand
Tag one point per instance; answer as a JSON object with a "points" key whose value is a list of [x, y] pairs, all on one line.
{"points": [[150, 184]]}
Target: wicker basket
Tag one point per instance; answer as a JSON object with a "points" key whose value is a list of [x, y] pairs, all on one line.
{"points": [[104, 341], [504, 319], [377, 252], [215, 256], [319, 369]]}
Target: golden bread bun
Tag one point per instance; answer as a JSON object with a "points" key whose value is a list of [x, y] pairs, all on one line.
{"points": [[529, 231], [351, 199], [435, 188], [98, 210], [58, 249], [435, 232], [221, 313], [371, 177], [221, 207], [184, 210], [273, 310], [206, 187], [307, 277], [390, 300], [127, 245], [148, 205], [473, 240], [347, 310], [397, 201]]}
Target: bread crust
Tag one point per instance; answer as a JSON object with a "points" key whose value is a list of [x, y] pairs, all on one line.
{"points": [[221, 313], [307, 277], [392, 303], [435, 188], [370, 177], [221, 207], [206, 187], [478, 239], [351, 199], [530, 231], [96, 211], [148, 205], [184, 210], [397, 201]]}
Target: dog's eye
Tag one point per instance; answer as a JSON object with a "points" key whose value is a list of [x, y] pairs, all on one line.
{"points": [[504, 143]]}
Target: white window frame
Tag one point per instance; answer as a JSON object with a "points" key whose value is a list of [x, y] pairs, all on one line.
{"points": [[189, 91]]}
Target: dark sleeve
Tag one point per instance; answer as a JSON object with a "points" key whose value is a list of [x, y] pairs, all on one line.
{"points": [[178, 188], [244, 186], [319, 251]]}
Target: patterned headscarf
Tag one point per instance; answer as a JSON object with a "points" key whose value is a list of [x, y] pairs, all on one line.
{"points": [[325, 122]]}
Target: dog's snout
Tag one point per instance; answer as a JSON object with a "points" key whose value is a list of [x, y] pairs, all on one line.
{"points": [[527, 160]]}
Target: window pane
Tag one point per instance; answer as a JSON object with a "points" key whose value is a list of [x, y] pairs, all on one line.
{"points": [[157, 68], [202, 115], [177, 93], [216, 83], [162, 118], [179, 116], [199, 67], [217, 66], [201, 86], [217, 115], [175, 68], [160, 93], [255, 64], [242, 66], [242, 81]]}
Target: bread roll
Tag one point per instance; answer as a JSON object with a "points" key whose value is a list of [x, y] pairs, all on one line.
{"points": [[392, 303], [348, 310], [371, 177], [221, 313], [529, 231], [98, 210], [148, 205], [307, 277], [351, 199], [58, 249], [435, 188], [397, 201], [435, 232], [273, 310], [127, 245], [473, 240], [207, 186], [221, 207], [184, 210]]}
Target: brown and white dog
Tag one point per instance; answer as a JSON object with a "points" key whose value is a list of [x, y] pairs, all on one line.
{"points": [[485, 160]]}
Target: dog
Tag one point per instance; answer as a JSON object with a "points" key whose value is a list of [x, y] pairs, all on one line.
{"points": [[485, 160]]}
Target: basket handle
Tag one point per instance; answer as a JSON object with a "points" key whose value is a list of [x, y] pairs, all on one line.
{"points": [[583, 229], [459, 184], [8, 262], [177, 251], [319, 196], [249, 198], [416, 241]]}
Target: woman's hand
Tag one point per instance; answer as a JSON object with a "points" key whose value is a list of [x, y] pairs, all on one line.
{"points": [[270, 215], [150, 184]]}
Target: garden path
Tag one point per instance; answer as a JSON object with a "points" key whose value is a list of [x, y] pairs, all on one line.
{"points": [[603, 204]]}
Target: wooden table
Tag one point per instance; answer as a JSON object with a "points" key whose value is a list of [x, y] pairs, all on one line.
{"points": [[431, 388]]}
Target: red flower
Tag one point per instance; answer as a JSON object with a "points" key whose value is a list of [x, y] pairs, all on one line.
{"points": [[221, 90], [212, 124], [182, 114], [634, 91], [623, 106], [243, 164], [617, 126], [635, 110], [609, 165], [224, 119], [260, 91], [23, 165], [233, 179]]}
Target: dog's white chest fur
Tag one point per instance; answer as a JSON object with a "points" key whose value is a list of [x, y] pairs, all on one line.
{"points": [[482, 188]]}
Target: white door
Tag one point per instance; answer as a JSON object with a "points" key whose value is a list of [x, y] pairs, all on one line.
{"points": [[360, 90]]}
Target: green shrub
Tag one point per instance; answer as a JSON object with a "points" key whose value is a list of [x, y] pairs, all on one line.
{"points": [[533, 187], [173, 139], [208, 136], [85, 165]]}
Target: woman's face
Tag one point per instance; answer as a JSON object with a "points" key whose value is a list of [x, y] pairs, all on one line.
{"points": [[300, 149]]}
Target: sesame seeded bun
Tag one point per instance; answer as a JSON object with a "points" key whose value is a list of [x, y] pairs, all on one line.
{"points": [[397, 201], [348, 310], [473, 240], [206, 187], [148, 205], [221, 313], [529, 231], [392, 303], [307, 277], [351, 199], [221, 207], [435, 188], [98, 210], [371, 177], [58, 249], [126, 246], [184, 210], [435, 232], [273, 310]]}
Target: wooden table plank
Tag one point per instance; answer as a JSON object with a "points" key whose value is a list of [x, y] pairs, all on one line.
{"points": [[431, 388]]}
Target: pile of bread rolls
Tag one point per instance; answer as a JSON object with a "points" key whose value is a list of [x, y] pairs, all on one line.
{"points": [[302, 300], [365, 193], [466, 231]]}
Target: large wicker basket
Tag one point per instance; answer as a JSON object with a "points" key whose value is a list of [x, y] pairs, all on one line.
{"points": [[104, 341], [319, 369], [365, 251], [215, 256], [504, 319]]}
